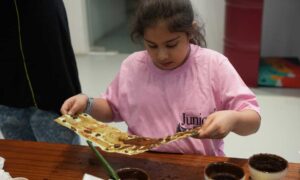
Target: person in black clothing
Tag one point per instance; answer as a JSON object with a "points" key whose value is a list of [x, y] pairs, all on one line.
{"points": [[38, 70]]}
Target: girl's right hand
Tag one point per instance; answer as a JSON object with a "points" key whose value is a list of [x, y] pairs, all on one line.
{"points": [[74, 105]]}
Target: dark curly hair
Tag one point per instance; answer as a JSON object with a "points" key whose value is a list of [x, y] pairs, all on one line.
{"points": [[178, 14]]}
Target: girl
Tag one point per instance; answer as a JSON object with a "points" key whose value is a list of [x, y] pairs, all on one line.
{"points": [[174, 85]]}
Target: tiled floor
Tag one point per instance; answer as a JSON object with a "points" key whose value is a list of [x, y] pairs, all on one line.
{"points": [[280, 110]]}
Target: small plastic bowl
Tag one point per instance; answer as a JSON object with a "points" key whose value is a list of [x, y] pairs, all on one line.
{"points": [[223, 171], [132, 173], [267, 166]]}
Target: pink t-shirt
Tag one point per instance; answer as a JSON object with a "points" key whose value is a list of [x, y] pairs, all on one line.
{"points": [[157, 103]]}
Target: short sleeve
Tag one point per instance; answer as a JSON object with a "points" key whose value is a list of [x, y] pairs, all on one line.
{"points": [[112, 97], [231, 91]]}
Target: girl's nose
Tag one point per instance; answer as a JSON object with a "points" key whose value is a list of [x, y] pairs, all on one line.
{"points": [[162, 55]]}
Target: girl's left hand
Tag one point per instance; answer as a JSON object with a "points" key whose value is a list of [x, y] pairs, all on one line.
{"points": [[218, 125]]}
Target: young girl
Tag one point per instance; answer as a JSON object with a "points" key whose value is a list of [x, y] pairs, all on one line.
{"points": [[174, 85]]}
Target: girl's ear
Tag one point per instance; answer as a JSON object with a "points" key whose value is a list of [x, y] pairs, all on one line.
{"points": [[194, 25]]}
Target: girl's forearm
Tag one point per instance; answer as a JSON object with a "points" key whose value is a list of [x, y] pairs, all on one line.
{"points": [[248, 122], [101, 110]]}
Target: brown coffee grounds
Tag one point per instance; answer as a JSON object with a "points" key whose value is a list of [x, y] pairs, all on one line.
{"points": [[268, 162]]}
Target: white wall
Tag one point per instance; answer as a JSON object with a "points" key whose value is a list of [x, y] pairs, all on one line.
{"points": [[76, 11], [212, 12], [281, 28]]}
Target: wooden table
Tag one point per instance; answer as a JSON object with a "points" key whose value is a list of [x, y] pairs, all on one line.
{"points": [[46, 161]]}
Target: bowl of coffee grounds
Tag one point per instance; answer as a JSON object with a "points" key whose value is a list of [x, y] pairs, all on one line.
{"points": [[131, 173], [223, 171], [267, 166]]}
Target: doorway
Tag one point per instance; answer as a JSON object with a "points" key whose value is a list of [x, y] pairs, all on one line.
{"points": [[109, 25]]}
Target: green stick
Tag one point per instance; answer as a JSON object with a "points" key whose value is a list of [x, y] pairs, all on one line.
{"points": [[107, 166]]}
